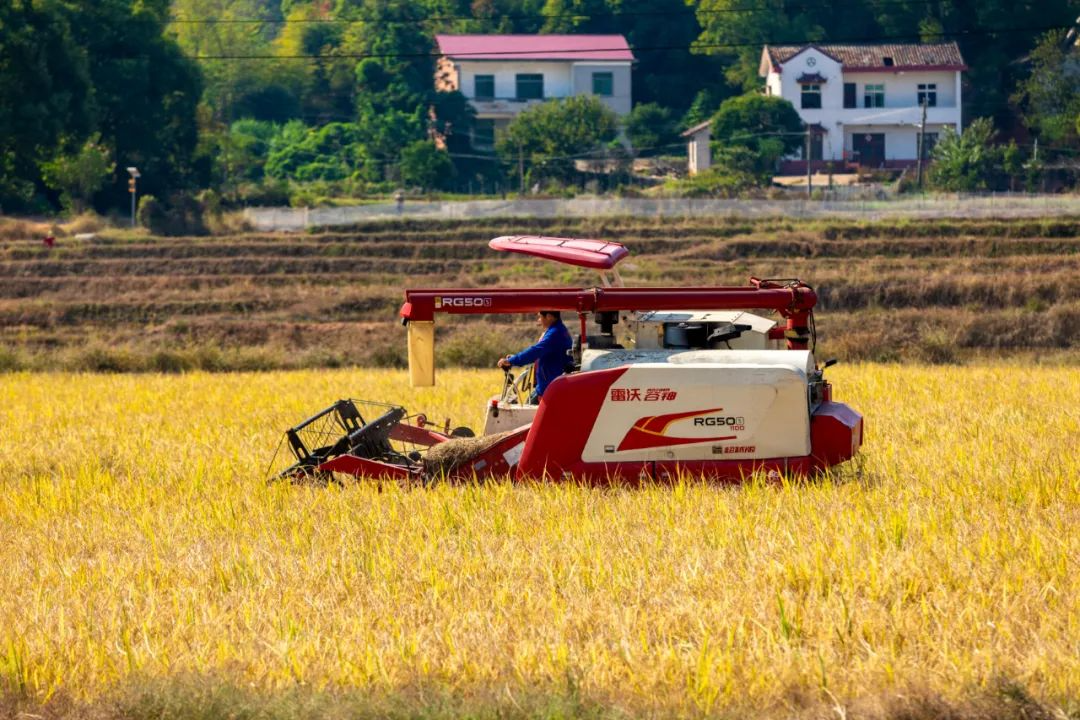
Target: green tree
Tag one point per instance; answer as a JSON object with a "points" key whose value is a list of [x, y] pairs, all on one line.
{"points": [[670, 77], [968, 162], [551, 134], [45, 94], [651, 129], [736, 31], [331, 152], [232, 88], [325, 86], [703, 107], [1049, 98], [80, 174], [769, 127], [425, 166], [247, 148], [145, 91]]}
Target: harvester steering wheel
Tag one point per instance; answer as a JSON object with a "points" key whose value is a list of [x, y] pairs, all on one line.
{"points": [[517, 389]]}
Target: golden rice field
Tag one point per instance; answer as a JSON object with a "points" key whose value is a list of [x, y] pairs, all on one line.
{"points": [[148, 571]]}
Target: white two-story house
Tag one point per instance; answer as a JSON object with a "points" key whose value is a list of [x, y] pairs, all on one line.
{"points": [[864, 103], [501, 75]]}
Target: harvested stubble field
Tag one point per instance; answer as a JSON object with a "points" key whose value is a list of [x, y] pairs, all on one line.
{"points": [[149, 572], [933, 291]]}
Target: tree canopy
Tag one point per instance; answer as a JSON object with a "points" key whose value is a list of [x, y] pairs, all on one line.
{"points": [[551, 135], [222, 93], [72, 69]]}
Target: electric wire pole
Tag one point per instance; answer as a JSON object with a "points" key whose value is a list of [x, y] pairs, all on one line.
{"points": [[922, 145], [809, 181]]}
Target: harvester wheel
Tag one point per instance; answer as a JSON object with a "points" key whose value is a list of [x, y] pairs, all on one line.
{"points": [[462, 432]]}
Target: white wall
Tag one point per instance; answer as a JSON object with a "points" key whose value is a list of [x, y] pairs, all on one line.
{"points": [[620, 99], [557, 76], [901, 143], [901, 88]]}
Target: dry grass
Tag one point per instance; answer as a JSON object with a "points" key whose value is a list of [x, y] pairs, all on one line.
{"points": [[126, 300], [151, 573]]}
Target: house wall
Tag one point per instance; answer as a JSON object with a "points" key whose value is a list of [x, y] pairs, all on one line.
{"points": [[901, 88], [557, 76], [620, 99], [561, 79], [699, 152], [901, 142]]}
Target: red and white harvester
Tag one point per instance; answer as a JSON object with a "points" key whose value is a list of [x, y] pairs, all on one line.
{"points": [[663, 382]]}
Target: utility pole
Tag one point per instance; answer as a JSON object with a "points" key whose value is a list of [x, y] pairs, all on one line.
{"points": [[922, 145], [521, 171], [809, 181], [135, 175]]}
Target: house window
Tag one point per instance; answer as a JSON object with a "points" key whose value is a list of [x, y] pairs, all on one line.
{"points": [[927, 93], [850, 91], [603, 84], [483, 135], [811, 96], [874, 96], [530, 86], [484, 87]]}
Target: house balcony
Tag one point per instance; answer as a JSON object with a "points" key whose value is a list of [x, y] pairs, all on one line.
{"points": [[910, 115], [502, 107]]}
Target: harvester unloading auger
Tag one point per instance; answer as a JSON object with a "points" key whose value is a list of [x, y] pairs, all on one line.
{"points": [[664, 382]]}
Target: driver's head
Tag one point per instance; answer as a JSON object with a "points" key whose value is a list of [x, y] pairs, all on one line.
{"points": [[547, 318]]}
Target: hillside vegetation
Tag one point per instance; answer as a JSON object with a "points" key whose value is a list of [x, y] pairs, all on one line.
{"points": [[935, 291]]}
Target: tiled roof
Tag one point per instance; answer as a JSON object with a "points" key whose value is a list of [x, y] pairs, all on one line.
{"points": [[696, 129], [535, 47], [903, 57]]}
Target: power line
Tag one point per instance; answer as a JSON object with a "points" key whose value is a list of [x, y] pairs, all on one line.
{"points": [[758, 8], [510, 54]]}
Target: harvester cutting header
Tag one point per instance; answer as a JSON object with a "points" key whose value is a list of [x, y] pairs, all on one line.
{"points": [[660, 381]]}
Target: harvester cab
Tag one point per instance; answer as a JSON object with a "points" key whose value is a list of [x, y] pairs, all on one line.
{"points": [[663, 381], [605, 336]]}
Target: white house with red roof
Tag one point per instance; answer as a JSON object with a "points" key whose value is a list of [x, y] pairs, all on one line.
{"points": [[501, 75], [864, 103]]}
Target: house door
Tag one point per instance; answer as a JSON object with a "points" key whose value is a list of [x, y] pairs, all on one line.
{"points": [[869, 149]]}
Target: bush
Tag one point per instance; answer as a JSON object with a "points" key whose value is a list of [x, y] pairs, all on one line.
{"points": [[478, 346], [183, 215], [968, 162], [425, 166], [267, 193], [651, 129], [768, 126]]}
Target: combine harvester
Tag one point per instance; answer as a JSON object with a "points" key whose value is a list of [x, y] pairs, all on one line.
{"points": [[663, 382]]}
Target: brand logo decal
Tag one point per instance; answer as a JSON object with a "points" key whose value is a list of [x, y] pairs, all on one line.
{"points": [[733, 423], [642, 395], [461, 302], [651, 432]]}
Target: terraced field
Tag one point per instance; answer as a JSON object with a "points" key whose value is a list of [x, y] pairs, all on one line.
{"points": [[927, 290]]}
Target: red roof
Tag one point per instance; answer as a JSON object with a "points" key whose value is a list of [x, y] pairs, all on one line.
{"points": [[535, 47], [597, 254]]}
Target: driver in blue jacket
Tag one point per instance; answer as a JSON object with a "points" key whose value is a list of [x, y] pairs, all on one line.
{"points": [[550, 353]]}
